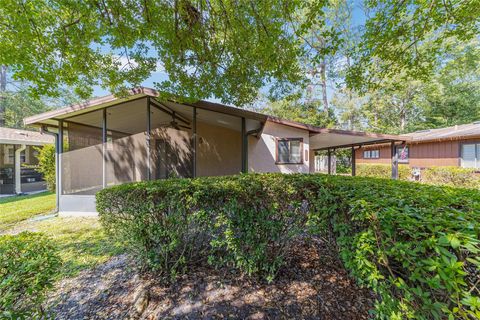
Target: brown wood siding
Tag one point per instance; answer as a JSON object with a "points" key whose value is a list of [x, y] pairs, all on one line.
{"points": [[384, 155], [435, 154], [423, 155]]}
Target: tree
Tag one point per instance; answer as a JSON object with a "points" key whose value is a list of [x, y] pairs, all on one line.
{"points": [[298, 109], [349, 106], [395, 32], [394, 108], [227, 49], [3, 88], [453, 95], [19, 105]]}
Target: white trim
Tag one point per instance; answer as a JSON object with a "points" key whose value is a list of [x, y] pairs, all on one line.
{"points": [[27, 142]]}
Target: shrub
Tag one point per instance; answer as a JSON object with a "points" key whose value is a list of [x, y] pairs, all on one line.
{"points": [[382, 171], [46, 165], [416, 246], [28, 264], [167, 224], [451, 176]]}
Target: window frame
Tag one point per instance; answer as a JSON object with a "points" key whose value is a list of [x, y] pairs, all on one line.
{"points": [[477, 159], [277, 159], [368, 154]]}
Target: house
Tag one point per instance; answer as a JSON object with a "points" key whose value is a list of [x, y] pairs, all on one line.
{"points": [[457, 146], [18, 158], [110, 140]]}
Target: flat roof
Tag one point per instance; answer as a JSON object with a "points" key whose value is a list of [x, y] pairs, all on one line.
{"points": [[326, 137], [18, 136]]}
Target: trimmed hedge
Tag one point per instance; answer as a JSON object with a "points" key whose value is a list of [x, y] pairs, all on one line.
{"points": [[451, 176], [416, 246], [28, 265], [381, 170]]}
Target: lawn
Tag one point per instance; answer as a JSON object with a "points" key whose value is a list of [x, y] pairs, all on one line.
{"points": [[81, 241], [19, 208]]}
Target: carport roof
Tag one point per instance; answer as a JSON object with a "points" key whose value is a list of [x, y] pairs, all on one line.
{"points": [[336, 139], [320, 138], [17, 136]]}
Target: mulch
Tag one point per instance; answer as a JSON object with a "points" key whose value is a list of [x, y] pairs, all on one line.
{"points": [[312, 285]]}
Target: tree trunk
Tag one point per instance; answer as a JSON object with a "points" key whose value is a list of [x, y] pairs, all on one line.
{"points": [[3, 89], [323, 75], [403, 120]]}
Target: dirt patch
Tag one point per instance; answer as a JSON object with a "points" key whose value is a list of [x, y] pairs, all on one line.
{"points": [[313, 285]]}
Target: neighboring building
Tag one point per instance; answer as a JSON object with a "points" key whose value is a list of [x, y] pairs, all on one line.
{"points": [[457, 146], [18, 159], [109, 141]]}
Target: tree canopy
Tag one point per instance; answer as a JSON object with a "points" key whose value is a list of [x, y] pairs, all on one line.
{"points": [[220, 48], [227, 49], [407, 65]]}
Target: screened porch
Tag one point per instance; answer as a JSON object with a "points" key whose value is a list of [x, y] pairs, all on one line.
{"points": [[145, 139]]}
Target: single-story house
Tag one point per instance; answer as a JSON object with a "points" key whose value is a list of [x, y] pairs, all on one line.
{"points": [[18, 159], [110, 140], [457, 146]]}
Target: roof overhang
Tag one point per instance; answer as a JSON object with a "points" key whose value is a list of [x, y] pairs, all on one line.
{"points": [[25, 142], [336, 139], [52, 117], [320, 138]]}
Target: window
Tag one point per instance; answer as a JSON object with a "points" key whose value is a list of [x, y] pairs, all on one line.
{"points": [[371, 154], [470, 157], [23, 156], [289, 151], [403, 154], [9, 154]]}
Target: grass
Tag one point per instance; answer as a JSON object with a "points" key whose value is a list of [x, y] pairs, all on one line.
{"points": [[19, 208], [81, 241]]}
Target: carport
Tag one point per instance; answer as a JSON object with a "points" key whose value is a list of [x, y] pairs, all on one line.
{"points": [[332, 139]]}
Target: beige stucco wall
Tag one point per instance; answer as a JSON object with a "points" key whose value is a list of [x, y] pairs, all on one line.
{"points": [[262, 153]]}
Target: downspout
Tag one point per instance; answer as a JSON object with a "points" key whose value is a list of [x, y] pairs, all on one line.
{"points": [[18, 169], [44, 130]]}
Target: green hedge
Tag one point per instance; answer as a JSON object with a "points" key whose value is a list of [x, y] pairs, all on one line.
{"points": [[28, 265], [417, 246], [451, 176], [382, 171]]}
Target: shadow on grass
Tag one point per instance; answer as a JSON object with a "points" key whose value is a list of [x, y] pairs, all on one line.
{"points": [[84, 252]]}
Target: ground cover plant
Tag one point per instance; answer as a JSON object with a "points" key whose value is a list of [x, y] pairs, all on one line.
{"points": [[28, 265], [81, 242], [416, 246]]}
